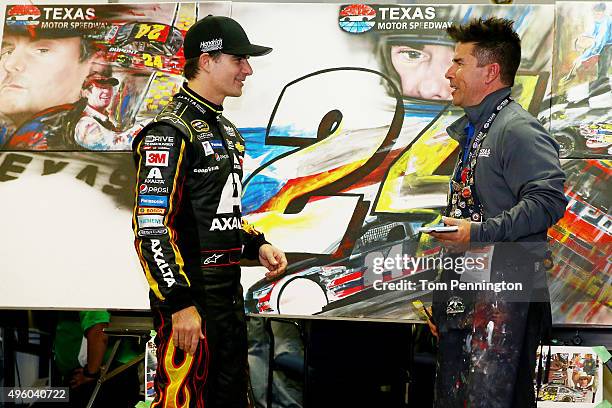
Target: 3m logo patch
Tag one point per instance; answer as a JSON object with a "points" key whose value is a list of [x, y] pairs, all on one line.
{"points": [[157, 158]]}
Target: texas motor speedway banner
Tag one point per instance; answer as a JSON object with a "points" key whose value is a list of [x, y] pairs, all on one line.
{"points": [[347, 153]]}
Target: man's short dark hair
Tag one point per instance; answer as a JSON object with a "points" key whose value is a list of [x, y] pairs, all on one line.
{"points": [[494, 41], [191, 68]]}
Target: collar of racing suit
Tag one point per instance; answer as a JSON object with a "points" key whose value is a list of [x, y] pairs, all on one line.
{"points": [[212, 106]]}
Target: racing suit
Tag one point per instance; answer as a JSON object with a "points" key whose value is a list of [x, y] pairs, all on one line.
{"points": [[190, 239], [51, 129]]}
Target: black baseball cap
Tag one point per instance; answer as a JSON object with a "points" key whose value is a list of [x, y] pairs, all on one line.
{"points": [[218, 33], [100, 81]]}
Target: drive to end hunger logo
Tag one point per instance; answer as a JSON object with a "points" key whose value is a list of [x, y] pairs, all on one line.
{"points": [[23, 15], [357, 18]]}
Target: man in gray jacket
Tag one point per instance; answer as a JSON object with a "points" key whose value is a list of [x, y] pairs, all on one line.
{"points": [[505, 192]]}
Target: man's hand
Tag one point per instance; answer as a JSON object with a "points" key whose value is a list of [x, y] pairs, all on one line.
{"points": [[432, 327], [458, 241], [79, 379], [273, 259], [187, 329]]}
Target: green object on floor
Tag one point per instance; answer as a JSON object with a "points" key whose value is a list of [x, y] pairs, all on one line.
{"points": [[143, 404], [603, 353]]}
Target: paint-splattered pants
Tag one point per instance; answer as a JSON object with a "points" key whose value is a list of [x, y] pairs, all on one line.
{"points": [[492, 364], [487, 352]]}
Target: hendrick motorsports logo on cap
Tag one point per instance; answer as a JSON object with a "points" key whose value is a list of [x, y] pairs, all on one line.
{"points": [[212, 45], [357, 18], [360, 18], [23, 15]]}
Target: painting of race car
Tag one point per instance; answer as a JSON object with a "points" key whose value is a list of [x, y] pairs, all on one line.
{"points": [[581, 120], [581, 242], [145, 45], [320, 284]]}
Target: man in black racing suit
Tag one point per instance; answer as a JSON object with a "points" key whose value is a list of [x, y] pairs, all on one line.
{"points": [[189, 233]]}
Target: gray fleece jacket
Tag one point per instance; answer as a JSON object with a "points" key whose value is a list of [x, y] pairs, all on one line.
{"points": [[519, 179]]}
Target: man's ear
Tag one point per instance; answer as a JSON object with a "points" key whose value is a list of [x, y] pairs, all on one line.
{"points": [[493, 72], [204, 62]]}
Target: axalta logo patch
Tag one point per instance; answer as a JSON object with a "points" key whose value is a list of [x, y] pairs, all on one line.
{"points": [[225, 223], [154, 173], [163, 266], [23, 15], [157, 158], [357, 18], [200, 126], [154, 181]]}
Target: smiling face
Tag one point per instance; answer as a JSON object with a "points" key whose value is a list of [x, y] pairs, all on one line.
{"points": [[39, 74], [227, 76], [99, 96], [467, 80], [421, 70]]}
